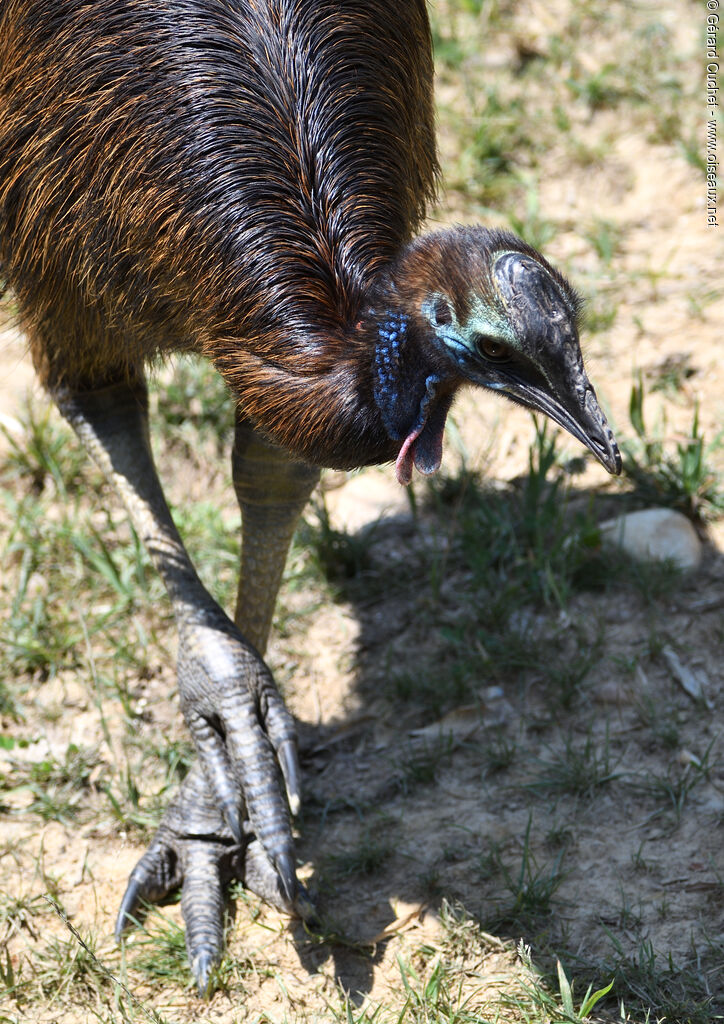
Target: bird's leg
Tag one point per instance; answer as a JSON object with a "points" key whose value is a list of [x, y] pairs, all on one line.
{"points": [[272, 491], [230, 818]]}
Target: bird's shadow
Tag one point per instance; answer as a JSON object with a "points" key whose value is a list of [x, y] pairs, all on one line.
{"points": [[370, 772]]}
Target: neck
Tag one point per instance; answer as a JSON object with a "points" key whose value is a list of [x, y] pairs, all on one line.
{"points": [[315, 397], [368, 396], [391, 348], [412, 394]]}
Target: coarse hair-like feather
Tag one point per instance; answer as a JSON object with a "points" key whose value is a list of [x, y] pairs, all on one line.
{"points": [[223, 176]]}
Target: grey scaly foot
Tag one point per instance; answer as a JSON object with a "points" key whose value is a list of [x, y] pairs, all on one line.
{"points": [[242, 737], [194, 850], [231, 818]]}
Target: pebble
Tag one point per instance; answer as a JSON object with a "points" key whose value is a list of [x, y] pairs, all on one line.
{"points": [[655, 535]]}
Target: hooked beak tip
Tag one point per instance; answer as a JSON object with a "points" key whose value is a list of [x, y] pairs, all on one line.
{"points": [[586, 423], [607, 452], [598, 436]]}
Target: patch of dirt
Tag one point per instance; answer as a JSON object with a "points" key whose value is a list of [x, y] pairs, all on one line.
{"points": [[16, 380]]}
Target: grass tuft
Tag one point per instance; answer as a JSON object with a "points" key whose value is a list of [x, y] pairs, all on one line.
{"points": [[678, 475]]}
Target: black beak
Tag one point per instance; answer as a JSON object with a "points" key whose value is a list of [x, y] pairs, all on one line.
{"points": [[586, 422], [539, 310]]}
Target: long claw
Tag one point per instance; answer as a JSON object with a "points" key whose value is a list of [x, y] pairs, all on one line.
{"points": [[202, 967], [129, 907], [284, 864], [202, 906], [233, 820], [266, 880], [289, 763], [156, 875]]}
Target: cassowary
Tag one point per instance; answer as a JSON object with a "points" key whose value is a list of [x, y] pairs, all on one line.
{"points": [[243, 179]]}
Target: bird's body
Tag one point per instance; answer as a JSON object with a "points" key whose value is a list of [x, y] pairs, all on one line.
{"points": [[221, 177], [243, 179]]}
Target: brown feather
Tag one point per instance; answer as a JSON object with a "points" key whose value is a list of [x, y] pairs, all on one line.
{"points": [[221, 176]]}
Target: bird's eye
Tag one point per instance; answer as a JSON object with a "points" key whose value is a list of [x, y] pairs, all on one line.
{"points": [[491, 348]]}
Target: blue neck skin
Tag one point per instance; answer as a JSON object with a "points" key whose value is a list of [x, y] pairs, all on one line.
{"points": [[397, 388]]}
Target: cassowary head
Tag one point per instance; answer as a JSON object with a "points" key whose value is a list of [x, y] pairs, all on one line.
{"points": [[479, 306]]}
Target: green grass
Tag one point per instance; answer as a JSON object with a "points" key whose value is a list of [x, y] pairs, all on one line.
{"points": [[516, 556], [450, 983], [192, 405], [651, 988], [679, 475], [671, 375], [420, 763], [337, 556], [531, 224], [59, 788], [530, 889], [539, 1001], [670, 789], [158, 952], [46, 456], [578, 769], [605, 238]]}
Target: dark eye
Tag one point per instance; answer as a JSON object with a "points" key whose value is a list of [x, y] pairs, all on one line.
{"points": [[491, 348]]}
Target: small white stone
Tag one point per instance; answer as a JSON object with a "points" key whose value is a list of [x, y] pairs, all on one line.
{"points": [[655, 535]]}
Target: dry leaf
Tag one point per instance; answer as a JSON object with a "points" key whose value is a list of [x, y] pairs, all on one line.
{"points": [[691, 682]]}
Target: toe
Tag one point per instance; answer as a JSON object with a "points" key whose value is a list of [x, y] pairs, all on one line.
{"points": [[157, 874], [202, 906]]}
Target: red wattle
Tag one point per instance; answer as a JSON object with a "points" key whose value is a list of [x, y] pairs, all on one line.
{"points": [[405, 459]]}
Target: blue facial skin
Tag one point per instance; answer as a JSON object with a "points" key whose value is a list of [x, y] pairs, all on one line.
{"points": [[404, 410], [405, 400], [459, 338], [391, 334]]}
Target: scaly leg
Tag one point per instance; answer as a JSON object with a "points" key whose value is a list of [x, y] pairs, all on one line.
{"points": [[272, 491], [230, 818]]}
